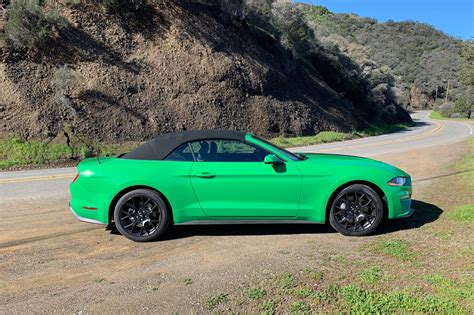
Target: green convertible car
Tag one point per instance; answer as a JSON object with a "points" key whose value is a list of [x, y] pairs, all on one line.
{"points": [[218, 176]]}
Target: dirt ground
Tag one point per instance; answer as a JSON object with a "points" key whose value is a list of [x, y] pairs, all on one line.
{"points": [[52, 263]]}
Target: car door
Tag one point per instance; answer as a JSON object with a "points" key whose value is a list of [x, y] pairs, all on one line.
{"points": [[231, 180]]}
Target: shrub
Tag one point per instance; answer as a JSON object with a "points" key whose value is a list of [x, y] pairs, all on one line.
{"points": [[64, 80], [462, 108], [446, 109], [30, 26]]}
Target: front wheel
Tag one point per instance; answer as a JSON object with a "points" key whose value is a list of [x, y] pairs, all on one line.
{"points": [[141, 215], [356, 211]]}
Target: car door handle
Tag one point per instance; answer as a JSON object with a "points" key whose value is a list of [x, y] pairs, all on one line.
{"points": [[205, 175]]}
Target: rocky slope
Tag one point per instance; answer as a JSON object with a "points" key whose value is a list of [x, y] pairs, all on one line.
{"points": [[172, 65]]}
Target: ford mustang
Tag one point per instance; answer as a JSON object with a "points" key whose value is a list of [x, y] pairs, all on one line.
{"points": [[219, 176]]}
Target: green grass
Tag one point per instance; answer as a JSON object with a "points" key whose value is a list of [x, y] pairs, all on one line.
{"points": [[15, 152], [313, 274], [333, 136], [397, 248], [356, 300], [303, 292], [268, 307], [187, 281], [451, 289], [463, 213], [255, 293], [287, 281], [436, 115], [370, 275], [216, 300], [300, 307]]}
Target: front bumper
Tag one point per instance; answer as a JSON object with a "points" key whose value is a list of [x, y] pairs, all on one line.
{"points": [[406, 215], [85, 219], [399, 200]]}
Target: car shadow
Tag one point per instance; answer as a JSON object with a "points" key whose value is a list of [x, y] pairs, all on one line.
{"points": [[424, 213]]}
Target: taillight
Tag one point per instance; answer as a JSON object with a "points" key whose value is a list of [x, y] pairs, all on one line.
{"points": [[75, 178]]}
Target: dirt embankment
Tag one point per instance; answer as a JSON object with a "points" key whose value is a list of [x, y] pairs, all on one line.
{"points": [[172, 67]]}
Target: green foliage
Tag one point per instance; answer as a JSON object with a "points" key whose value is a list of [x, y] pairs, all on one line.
{"points": [[462, 107], [332, 136], [31, 26], [303, 292], [255, 293], [313, 274], [467, 71], [15, 152], [216, 300], [300, 307], [451, 289], [397, 248], [413, 53], [370, 275], [436, 115], [187, 281], [287, 281], [268, 307], [361, 301]]}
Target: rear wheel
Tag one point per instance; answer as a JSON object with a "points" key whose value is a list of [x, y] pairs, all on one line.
{"points": [[141, 215], [356, 211]]}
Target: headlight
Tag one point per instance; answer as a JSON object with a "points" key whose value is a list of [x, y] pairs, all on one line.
{"points": [[398, 181]]}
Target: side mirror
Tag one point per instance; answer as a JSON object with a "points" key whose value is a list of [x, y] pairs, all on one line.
{"points": [[272, 159]]}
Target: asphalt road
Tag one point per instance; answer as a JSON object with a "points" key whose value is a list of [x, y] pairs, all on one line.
{"points": [[49, 183]]}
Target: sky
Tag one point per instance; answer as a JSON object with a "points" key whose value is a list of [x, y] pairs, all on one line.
{"points": [[453, 17]]}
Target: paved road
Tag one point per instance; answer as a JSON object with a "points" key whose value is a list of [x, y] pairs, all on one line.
{"points": [[48, 183]]}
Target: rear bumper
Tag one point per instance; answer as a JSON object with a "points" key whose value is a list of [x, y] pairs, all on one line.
{"points": [[85, 219]]}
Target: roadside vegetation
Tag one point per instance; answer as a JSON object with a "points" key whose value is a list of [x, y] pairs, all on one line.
{"points": [[332, 136], [438, 115], [17, 153]]}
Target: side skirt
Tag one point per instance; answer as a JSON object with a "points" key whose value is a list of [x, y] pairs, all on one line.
{"points": [[235, 222]]}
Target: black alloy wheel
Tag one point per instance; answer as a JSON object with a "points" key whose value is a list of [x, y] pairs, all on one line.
{"points": [[141, 215], [356, 211]]}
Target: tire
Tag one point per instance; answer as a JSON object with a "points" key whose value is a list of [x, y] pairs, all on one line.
{"points": [[356, 211], [141, 215]]}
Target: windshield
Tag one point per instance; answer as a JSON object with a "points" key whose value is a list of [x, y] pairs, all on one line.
{"points": [[292, 156]]}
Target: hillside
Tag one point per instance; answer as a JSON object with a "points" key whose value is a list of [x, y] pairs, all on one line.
{"points": [[127, 73], [424, 62]]}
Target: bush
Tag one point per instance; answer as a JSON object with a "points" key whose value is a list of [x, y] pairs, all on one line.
{"points": [[446, 109], [30, 26], [462, 107]]}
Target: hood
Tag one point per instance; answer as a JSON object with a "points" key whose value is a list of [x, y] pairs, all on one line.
{"points": [[350, 160]]}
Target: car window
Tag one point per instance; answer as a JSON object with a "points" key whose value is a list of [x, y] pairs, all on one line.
{"points": [[221, 150], [181, 153]]}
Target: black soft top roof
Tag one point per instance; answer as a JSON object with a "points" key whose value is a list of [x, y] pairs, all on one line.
{"points": [[161, 146]]}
